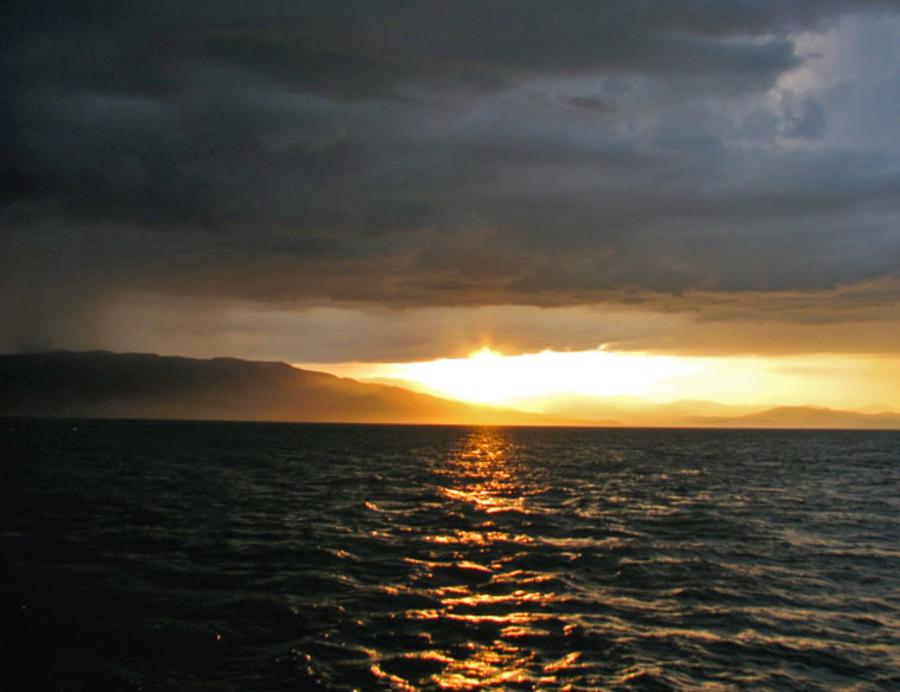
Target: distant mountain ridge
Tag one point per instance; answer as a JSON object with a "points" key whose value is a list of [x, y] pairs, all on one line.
{"points": [[137, 385], [629, 411], [807, 417]]}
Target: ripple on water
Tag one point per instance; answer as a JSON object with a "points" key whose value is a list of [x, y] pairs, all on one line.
{"points": [[259, 557]]}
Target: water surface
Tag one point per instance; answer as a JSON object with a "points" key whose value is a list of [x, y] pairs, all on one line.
{"points": [[146, 555]]}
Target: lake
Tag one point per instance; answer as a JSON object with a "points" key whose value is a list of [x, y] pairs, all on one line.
{"points": [[228, 556]]}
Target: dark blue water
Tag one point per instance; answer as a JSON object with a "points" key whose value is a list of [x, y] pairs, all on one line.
{"points": [[141, 555]]}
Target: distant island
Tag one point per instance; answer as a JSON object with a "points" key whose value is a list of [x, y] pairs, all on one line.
{"points": [[100, 384]]}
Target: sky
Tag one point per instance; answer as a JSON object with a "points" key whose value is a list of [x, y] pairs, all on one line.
{"points": [[544, 381], [395, 182]]}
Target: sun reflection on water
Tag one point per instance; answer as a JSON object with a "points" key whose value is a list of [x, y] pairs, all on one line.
{"points": [[483, 475], [477, 589]]}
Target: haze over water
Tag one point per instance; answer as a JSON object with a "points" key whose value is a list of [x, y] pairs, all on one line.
{"points": [[145, 555]]}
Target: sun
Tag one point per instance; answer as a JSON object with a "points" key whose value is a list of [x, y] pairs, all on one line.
{"points": [[534, 381], [487, 376], [483, 377]]}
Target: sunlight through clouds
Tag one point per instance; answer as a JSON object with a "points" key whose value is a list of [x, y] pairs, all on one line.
{"points": [[529, 381], [489, 377]]}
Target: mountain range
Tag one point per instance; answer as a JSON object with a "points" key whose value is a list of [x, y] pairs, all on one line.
{"points": [[136, 385], [634, 412]]}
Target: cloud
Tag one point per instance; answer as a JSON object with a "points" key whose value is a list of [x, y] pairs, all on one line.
{"points": [[441, 154], [850, 320]]}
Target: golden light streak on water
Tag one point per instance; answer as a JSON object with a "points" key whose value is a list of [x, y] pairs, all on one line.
{"points": [[482, 477]]}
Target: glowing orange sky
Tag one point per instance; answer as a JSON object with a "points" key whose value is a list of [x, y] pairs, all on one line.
{"points": [[486, 376]]}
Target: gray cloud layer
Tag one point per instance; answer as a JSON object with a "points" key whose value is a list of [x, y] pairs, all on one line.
{"points": [[442, 153]]}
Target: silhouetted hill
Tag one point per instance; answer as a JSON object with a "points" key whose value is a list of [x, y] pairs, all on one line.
{"points": [[132, 385], [626, 410], [630, 411], [135, 385], [806, 417]]}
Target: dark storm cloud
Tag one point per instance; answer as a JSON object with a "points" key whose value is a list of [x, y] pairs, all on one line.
{"points": [[430, 153]]}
